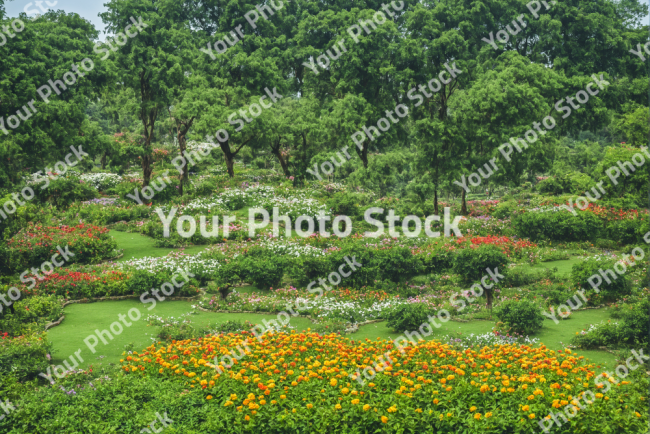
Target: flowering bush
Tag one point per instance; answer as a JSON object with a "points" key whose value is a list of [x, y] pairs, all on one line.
{"points": [[36, 244], [286, 379], [174, 262], [101, 181], [87, 283]]}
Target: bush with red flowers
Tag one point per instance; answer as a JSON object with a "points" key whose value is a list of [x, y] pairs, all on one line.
{"points": [[36, 244]]}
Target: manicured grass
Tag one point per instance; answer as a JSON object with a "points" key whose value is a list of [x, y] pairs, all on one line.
{"points": [[563, 267], [81, 320], [138, 246]]}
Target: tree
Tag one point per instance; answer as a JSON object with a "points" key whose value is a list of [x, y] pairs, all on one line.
{"points": [[47, 48], [149, 63]]}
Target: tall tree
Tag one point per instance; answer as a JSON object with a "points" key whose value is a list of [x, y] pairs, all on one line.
{"points": [[149, 63]]}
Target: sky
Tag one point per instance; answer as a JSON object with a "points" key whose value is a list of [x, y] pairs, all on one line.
{"points": [[88, 9]]}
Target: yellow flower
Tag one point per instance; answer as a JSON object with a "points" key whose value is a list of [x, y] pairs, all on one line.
{"points": [[345, 390], [333, 382], [309, 406], [448, 414], [337, 406], [531, 416], [209, 397], [477, 416], [355, 401], [472, 408], [283, 396], [637, 414], [366, 407], [488, 414], [384, 419], [247, 418], [525, 408]]}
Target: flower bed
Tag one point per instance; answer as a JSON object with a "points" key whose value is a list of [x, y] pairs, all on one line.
{"points": [[36, 244], [287, 379]]}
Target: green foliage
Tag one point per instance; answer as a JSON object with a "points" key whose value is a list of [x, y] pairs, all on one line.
{"points": [[630, 331], [520, 276], [504, 210], [64, 191], [24, 357], [520, 316], [618, 286], [626, 231], [557, 226], [408, 317], [263, 270], [472, 263]]}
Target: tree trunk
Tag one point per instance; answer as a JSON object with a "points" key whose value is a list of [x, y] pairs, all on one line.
{"points": [[363, 154], [283, 161], [184, 176], [103, 161], [364, 157], [463, 207], [435, 200], [229, 157], [488, 294], [146, 170]]}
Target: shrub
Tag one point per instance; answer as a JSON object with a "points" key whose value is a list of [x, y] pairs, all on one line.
{"points": [[504, 210], [617, 287], [24, 357], [408, 316], [557, 226], [520, 316], [344, 204], [38, 309], [63, 191], [263, 270], [631, 329], [36, 244], [625, 231], [472, 262], [519, 276]]}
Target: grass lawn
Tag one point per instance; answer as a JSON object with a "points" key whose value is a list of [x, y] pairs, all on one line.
{"points": [[81, 320], [563, 267], [138, 246]]}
